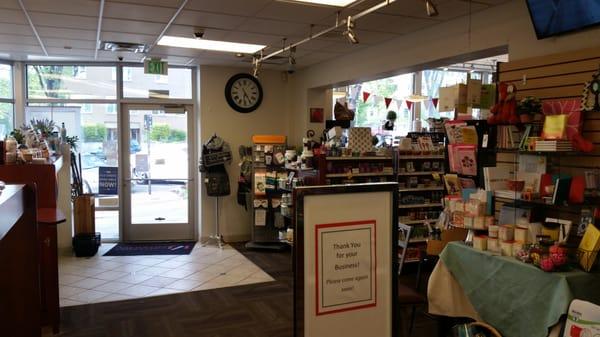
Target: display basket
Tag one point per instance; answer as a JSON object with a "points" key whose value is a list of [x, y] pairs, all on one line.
{"points": [[587, 259]]}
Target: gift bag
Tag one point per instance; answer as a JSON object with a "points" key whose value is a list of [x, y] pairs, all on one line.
{"points": [[360, 140]]}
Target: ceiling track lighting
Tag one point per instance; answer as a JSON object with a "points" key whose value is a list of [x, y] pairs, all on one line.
{"points": [[338, 24], [349, 32], [431, 9]]}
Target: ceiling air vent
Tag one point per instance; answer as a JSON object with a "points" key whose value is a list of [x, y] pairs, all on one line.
{"points": [[123, 47]]}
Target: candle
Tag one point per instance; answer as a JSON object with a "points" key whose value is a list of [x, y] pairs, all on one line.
{"points": [[506, 233], [480, 242], [506, 248], [521, 234], [493, 231], [492, 245]]}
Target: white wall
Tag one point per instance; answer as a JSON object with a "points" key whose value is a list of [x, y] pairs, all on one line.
{"points": [[237, 129], [507, 25]]}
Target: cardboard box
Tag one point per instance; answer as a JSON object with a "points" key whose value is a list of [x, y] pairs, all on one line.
{"points": [[435, 247], [473, 93], [453, 98]]}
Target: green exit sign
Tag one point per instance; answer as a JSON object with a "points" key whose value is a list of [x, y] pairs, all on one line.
{"points": [[156, 67]]}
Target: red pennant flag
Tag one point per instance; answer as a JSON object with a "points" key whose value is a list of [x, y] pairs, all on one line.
{"points": [[366, 96], [387, 102], [409, 104], [435, 102]]}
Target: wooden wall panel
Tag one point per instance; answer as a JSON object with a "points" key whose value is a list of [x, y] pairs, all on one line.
{"points": [[552, 77]]}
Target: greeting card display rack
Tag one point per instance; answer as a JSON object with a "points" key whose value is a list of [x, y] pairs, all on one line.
{"points": [[268, 167], [421, 190]]}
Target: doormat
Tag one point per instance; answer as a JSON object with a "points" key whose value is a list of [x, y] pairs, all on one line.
{"points": [[151, 248]]}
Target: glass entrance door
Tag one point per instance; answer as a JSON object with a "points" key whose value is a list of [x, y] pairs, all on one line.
{"points": [[158, 180]]}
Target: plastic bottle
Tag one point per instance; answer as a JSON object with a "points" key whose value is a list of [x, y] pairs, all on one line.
{"points": [[63, 133]]}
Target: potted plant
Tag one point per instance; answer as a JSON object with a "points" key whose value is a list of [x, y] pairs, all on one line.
{"points": [[43, 126], [390, 119], [529, 108]]}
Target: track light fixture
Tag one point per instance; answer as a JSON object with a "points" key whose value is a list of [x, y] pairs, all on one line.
{"points": [[292, 61], [349, 32], [431, 9]]}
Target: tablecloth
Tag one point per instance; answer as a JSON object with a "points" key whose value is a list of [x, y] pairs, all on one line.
{"points": [[516, 298]]}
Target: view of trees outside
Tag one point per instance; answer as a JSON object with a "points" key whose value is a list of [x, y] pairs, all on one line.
{"points": [[6, 108], [430, 86], [373, 112]]}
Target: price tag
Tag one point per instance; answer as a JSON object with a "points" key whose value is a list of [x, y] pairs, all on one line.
{"points": [[484, 142]]}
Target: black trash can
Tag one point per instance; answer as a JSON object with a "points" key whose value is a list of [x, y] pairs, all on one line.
{"points": [[86, 245]]}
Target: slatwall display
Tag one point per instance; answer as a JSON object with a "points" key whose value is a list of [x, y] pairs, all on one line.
{"points": [[552, 77]]}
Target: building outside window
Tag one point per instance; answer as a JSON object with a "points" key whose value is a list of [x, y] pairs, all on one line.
{"points": [[6, 100]]}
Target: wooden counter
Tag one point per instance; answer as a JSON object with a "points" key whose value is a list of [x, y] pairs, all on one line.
{"points": [[44, 176], [19, 283]]}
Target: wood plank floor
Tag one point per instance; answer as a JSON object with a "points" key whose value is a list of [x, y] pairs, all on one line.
{"points": [[261, 310]]}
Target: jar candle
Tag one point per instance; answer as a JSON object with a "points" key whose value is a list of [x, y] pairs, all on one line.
{"points": [[506, 248], [480, 242], [521, 234], [492, 245], [516, 247], [493, 231], [506, 233]]}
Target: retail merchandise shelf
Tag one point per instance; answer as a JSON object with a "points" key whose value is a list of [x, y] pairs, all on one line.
{"points": [[360, 158], [425, 173], [411, 260], [425, 156], [418, 240], [420, 205], [344, 175], [415, 222], [437, 188]]}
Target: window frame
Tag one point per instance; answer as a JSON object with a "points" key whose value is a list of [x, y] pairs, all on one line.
{"points": [[11, 101]]}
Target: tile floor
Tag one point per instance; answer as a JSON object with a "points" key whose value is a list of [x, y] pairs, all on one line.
{"points": [[113, 278]]}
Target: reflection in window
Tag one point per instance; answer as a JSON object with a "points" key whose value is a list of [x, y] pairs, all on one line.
{"points": [[178, 83], [373, 112], [65, 82], [6, 85], [6, 119]]}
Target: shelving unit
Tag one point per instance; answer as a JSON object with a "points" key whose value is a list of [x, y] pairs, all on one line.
{"points": [[343, 170], [266, 217], [420, 189]]}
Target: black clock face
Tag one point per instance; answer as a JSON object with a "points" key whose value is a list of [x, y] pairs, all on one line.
{"points": [[243, 92]]}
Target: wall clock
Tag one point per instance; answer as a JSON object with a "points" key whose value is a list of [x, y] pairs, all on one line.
{"points": [[243, 93]]}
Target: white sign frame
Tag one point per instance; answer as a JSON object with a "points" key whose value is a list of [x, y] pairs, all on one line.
{"points": [[322, 209]]}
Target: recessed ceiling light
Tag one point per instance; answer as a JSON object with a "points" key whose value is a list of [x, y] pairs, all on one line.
{"points": [[232, 47], [336, 3], [48, 58]]}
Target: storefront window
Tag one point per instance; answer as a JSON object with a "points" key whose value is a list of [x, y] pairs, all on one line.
{"points": [[6, 100], [372, 112], [431, 82], [177, 84], [70, 82]]}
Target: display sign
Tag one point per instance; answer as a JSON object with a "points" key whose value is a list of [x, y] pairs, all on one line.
{"points": [[345, 261], [345, 252], [156, 67], [108, 180]]}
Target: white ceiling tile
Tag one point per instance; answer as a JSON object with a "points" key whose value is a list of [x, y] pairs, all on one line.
{"points": [[293, 12], [392, 23], [235, 7], [129, 26], [127, 37], [16, 29], [137, 12], [12, 16], [265, 26], [254, 38], [53, 51], [20, 48], [17, 39], [71, 7], [9, 5], [65, 33], [203, 19], [158, 3], [63, 21], [61, 43]]}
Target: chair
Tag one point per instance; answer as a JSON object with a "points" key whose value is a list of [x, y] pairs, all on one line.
{"points": [[408, 296]]}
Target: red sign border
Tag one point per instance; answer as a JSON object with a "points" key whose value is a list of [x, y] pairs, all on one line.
{"points": [[373, 266]]}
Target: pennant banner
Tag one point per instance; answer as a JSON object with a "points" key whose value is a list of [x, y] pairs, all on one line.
{"points": [[399, 102], [435, 102], [366, 96], [387, 102], [409, 105]]}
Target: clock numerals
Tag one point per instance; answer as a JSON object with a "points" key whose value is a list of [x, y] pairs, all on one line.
{"points": [[243, 93]]}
